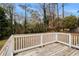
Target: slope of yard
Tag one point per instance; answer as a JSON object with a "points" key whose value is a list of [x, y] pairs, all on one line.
{"points": [[2, 42]]}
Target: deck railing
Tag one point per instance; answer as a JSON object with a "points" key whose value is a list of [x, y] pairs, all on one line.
{"points": [[75, 40], [24, 42], [20, 42], [7, 49]]}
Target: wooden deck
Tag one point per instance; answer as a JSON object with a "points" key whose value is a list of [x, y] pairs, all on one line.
{"points": [[54, 49], [28, 43]]}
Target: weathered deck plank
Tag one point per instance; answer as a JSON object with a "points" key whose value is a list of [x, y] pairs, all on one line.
{"points": [[54, 49]]}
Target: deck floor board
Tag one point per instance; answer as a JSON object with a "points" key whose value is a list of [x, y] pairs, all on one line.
{"points": [[54, 49]]}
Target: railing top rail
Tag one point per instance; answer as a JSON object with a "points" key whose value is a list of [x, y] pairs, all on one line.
{"points": [[34, 34], [75, 34]]}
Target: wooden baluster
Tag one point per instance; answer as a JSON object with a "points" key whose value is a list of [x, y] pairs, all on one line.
{"points": [[28, 41], [4, 52], [75, 40], [78, 40], [18, 41], [6, 49], [34, 39], [18, 45], [67, 39], [31, 41], [25, 41], [21, 43], [15, 43], [71, 39]]}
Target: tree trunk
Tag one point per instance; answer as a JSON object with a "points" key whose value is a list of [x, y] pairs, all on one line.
{"points": [[25, 18], [62, 10], [45, 16]]}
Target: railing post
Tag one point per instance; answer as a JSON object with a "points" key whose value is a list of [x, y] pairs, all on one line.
{"points": [[41, 40], [56, 37], [70, 40], [12, 45]]}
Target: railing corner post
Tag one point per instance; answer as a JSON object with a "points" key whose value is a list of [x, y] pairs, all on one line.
{"points": [[41, 40], [56, 37]]}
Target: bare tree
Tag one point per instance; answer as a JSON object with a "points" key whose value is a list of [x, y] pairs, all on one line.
{"points": [[62, 10], [24, 7], [52, 10], [44, 11], [11, 15], [43, 7]]}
